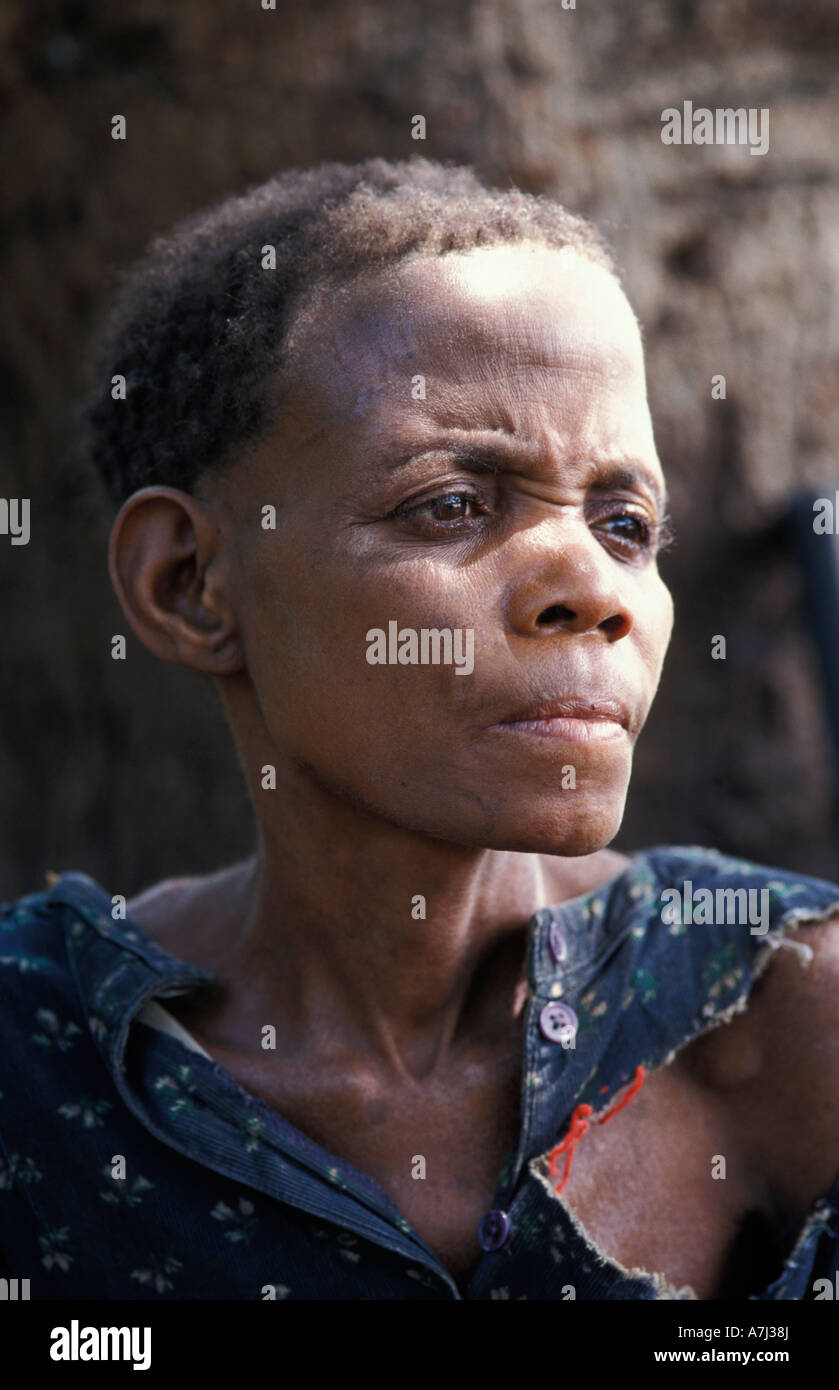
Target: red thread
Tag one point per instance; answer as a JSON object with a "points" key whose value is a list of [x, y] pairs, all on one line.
{"points": [[579, 1124]]}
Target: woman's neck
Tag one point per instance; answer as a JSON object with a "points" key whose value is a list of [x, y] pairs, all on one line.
{"points": [[396, 943]]}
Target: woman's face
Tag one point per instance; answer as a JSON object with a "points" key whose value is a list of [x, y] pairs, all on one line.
{"points": [[466, 446]]}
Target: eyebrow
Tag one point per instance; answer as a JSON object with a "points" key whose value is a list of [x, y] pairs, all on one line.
{"points": [[495, 458]]}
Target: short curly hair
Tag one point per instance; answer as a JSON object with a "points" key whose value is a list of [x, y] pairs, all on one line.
{"points": [[199, 325]]}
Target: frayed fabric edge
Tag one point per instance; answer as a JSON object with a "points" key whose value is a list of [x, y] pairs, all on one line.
{"points": [[775, 940], [662, 1285], [778, 937]]}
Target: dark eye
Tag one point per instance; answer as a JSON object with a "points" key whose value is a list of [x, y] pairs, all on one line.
{"points": [[637, 530], [449, 507], [638, 533]]}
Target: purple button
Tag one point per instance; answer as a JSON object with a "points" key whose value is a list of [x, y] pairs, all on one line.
{"points": [[493, 1230], [557, 942], [558, 1023]]}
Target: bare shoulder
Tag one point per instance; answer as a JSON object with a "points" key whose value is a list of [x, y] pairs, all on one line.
{"points": [[184, 915], [777, 1064], [795, 1004]]}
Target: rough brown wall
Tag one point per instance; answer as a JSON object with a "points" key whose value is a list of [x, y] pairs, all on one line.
{"points": [[124, 769]]}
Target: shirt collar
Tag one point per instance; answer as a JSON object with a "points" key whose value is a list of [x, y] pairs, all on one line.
{"points": [[116, 966]]}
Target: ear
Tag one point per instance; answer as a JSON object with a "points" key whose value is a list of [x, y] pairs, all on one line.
{"points": [[168, 563]]}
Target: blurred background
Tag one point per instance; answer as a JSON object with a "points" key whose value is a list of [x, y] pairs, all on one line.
{"points": [[125, 770]]}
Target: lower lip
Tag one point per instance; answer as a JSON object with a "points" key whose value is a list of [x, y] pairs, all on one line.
{"points": [[567, 730]]}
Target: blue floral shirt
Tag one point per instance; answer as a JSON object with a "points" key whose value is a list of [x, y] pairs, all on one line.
{"points": [[132, 1165]]}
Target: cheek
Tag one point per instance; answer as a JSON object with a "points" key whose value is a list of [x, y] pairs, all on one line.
{"points": [[305, 632], [666, 611], [656, 626]]}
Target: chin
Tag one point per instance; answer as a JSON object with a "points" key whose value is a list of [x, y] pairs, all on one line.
{"points": [[566, 832], [568, 845], [573, 832]]}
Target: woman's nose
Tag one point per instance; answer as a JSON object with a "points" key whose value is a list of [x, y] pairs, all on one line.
{"points": [[571, 588]]}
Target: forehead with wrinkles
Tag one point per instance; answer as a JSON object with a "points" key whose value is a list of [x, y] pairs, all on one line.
{"points": [[460, 319]]}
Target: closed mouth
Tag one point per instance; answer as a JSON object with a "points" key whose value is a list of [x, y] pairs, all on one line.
{"points": [[573, 709]]}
